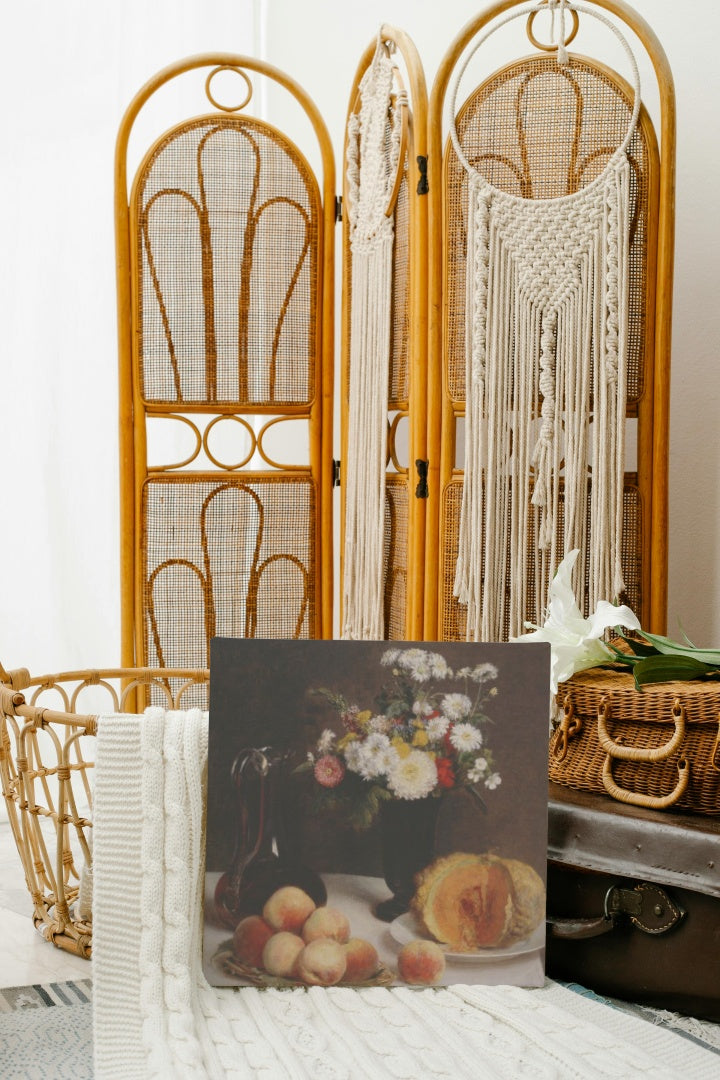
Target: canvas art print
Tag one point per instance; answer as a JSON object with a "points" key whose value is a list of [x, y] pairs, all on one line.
{"points": [[377, 813]]}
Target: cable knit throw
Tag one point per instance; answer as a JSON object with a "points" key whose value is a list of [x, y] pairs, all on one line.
{"points": [[546, 318], [372, 161], [155, 1016]]}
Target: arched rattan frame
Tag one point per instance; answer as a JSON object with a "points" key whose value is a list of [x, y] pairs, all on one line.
{"points": [[316, 578], [653, 411]]}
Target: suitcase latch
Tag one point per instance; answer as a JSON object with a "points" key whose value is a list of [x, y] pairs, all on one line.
{"points": [[647, 906]]}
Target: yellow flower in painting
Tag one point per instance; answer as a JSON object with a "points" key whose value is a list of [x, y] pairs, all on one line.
{"points": [[420, 738], [402, 748], [346, 740], [364, 717]]}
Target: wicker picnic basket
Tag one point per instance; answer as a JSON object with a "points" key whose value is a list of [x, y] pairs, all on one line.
{"points": [[658, 747], [46, 758]]}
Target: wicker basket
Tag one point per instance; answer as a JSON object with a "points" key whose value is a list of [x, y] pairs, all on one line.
{"points": [[658, 747], [46, 754]]}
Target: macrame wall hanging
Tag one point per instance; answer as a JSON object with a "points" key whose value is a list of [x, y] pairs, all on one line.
{"points": [[374, 166], [546, 341]]}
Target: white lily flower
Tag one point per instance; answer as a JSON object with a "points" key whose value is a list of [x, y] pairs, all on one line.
{"points": [[575, 642]]}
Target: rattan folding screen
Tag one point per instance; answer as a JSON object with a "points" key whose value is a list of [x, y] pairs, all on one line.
{"points": [[539, 131], [225, 256], [225, 250]]}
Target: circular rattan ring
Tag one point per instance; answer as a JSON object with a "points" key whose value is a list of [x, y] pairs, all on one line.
{"points": [[238, 71], [216, 461], [551, 48]]}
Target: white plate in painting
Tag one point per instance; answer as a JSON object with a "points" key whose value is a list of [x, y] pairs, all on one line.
{"points": [[404, 929]]}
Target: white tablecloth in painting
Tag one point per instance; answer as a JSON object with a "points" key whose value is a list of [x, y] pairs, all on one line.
{"points": [[356, 897]]}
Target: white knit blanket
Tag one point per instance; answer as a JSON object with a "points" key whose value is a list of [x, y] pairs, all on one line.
{"points": [[156, 1016]]}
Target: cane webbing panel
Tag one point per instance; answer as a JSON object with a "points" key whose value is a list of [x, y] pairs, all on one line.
{"points": [[226, 215], [233, 557], [539, 131], [396, 555], [452, 624]]}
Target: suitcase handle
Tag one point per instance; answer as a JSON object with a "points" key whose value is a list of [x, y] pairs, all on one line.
{"points": [[652, 802], [647, 906], [635, 753]]}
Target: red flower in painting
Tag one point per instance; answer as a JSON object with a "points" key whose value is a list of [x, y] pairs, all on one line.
{"points": [[445, 774], [329, 770]]}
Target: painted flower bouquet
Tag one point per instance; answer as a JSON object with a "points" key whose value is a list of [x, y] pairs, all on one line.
{"points": [[424, 737]]}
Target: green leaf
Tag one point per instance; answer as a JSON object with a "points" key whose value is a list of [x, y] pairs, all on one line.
{"points": [[672, 648], [654, 669], [687, 639], [639, 648], [621, 657]]}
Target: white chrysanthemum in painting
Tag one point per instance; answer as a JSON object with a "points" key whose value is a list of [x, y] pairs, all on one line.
{"points": [[484, 673], [456, 706], [325, 741], [436, 727], [353, 756], [477, 770], [414, 776], [465, 738], [374, 756]]}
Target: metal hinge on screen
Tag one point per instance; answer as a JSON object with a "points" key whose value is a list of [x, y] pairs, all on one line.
{"points": [[338, 208], [422, 491], [423, 187], [335, 473]]}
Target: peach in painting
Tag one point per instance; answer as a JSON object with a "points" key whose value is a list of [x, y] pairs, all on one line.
{"points": [[326, 922], [281, 953], [322, 962], [361, 960], [421, 963], [288, 908], [250, 938]]}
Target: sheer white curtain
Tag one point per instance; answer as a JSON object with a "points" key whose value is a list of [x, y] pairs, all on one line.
{"points": [[67, 73]]}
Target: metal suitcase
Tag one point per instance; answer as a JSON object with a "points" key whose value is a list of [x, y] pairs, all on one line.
{"points": [[634, 902]]}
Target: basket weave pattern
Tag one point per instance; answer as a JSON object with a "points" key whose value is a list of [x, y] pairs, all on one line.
{"points": [[658, 747], [46, 762]]}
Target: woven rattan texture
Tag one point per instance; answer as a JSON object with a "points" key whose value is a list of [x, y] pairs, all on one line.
{"points": [[47, 755], [396, 555], [453, 619], [643, 720], [233, 558], [226, 218], [539, 131]]}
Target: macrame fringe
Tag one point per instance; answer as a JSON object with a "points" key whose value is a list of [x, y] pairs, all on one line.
{"points": [[547, 303], [372, 161]]}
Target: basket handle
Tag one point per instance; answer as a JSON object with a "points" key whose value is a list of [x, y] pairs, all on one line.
{"points": [[634, 753], [651, 802]]}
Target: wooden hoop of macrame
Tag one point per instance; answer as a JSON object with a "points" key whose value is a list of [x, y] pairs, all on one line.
{"points": [[546, 322], [374, 162]]}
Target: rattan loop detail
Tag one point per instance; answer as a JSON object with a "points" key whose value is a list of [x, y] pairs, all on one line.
{"points": [[651, 802], [553, 46], [715, 752], [639, 754], [570, 726], [222, 464], [238, 71]]}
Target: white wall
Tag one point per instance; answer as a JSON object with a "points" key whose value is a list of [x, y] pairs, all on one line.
{"points": [[67, 73]]}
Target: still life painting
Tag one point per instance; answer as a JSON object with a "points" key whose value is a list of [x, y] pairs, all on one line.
{"points": [[377, 813]]}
